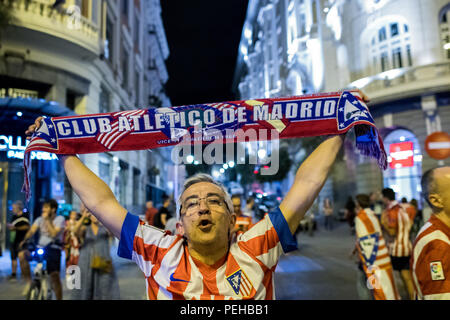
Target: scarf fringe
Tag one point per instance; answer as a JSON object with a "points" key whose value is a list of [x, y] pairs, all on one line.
{"points": [[369, 144]]}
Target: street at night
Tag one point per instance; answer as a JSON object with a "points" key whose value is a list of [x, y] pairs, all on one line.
{"points": [[224, 150], [322, 269]]}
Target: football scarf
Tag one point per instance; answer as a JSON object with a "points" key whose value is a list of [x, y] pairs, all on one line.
{"points": [[292, 117]]}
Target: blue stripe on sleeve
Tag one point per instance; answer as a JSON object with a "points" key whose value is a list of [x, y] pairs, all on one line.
{"points": [[287, 240], [129, 227]]}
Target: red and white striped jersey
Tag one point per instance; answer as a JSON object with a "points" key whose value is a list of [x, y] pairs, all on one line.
{"points": [[430, 261], [172, 273], [398, 219], [374, 256]]}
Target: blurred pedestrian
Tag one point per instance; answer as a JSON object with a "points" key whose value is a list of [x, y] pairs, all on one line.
{"points": [[150, 212], [417, 223], [51, 232], [397, 224], [163, 214], [19, 226], [72, 239], [430, 261], [249, 209], [328, 212], [243, 222], [373, 253], [376, 204], [98, 279], [350, 214], [410, 209]]}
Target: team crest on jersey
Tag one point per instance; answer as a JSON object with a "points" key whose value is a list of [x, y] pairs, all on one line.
{"points": [[240, 283], [351, 110], [437, 272], [369, 247]]}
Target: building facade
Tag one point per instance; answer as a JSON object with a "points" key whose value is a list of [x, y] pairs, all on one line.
{"points": [[396, 51], [83, 57]]}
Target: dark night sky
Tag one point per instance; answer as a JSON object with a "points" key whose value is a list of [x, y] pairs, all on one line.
{"points": [[203, 37]]}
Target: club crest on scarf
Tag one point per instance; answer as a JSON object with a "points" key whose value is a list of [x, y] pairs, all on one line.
{"points": [[369, 247], [45, 137], [240, 283], [350, 109]]}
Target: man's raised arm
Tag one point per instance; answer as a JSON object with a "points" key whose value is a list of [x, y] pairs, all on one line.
{"points": [[93, 192], [309, 180]]}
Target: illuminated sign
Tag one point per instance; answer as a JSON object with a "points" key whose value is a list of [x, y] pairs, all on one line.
{"points": [[15, 149], [401, 155], [16, 93]]}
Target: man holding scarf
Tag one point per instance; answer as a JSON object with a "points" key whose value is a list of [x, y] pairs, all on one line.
{"points": [[205, 261]]}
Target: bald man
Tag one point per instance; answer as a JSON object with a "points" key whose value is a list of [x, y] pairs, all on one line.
{"points": [[430, 261]]}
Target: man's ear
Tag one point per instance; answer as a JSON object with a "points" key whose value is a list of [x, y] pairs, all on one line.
{"points": [[180, 228], [436, 200], [233, 219]]}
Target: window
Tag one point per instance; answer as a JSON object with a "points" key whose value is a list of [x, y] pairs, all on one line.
{"points": [[397, 58], [382, 34], [408, 55], [394, 29], [136, 186], [384, 62], [109, 40], [104, 167], [390, 46], [444, 18], [125, 7], [104, 101], [137, 85], [136, 31], [124, 62], [123, 182]]}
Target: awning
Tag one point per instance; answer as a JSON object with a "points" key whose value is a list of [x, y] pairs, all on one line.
{"points": [[40, 106]]}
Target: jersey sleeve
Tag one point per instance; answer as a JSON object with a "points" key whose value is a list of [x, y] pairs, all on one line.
{"points": [[432, 270], [142, 243], [268, 239]]}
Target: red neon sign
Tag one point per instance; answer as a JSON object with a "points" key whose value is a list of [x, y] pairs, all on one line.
{"points": [[402, 155]]}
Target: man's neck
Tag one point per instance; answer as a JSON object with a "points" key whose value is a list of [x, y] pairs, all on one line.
{"points": [[443, 217], [208, 254]]}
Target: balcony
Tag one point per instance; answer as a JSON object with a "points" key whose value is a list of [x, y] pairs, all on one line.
{"points": [[405, 82], [67, 24]]}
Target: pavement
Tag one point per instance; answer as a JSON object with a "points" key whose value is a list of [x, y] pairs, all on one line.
{"points": [[320, 270]]}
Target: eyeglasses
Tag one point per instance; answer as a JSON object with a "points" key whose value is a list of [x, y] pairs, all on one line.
{"points": [[213, 202]]}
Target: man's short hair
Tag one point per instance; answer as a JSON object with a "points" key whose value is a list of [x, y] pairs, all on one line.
{"points": [[19, 204], [363, 200], [203, 177], [52, 203], [388, 193], [428, 186]]}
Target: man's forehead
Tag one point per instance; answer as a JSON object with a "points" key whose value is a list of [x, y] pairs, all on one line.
{"points": [[201, 189], [442, 174]]}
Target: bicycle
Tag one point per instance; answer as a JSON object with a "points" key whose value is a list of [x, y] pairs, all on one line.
{"points": [[40, 288]]}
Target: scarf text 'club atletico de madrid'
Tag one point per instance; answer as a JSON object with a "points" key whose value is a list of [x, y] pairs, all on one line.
{"points": [[292, 117]]}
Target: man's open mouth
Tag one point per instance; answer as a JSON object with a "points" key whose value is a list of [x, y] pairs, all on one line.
{"points": [[205, 224]]}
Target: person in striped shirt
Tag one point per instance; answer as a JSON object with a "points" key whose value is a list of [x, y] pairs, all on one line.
{"points": [[397, 225], [373, 252], [430, 261], [205, 260]]}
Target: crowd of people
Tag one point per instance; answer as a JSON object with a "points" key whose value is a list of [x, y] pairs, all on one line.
{"points": [[84, 240], [86, 244], [213, 251], [385, 231]]}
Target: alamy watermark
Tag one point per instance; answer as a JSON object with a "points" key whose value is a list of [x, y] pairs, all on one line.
{"points": [[218, 144]]}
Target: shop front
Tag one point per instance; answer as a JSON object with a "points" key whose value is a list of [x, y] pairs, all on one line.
{"points": [[47, 177]]}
